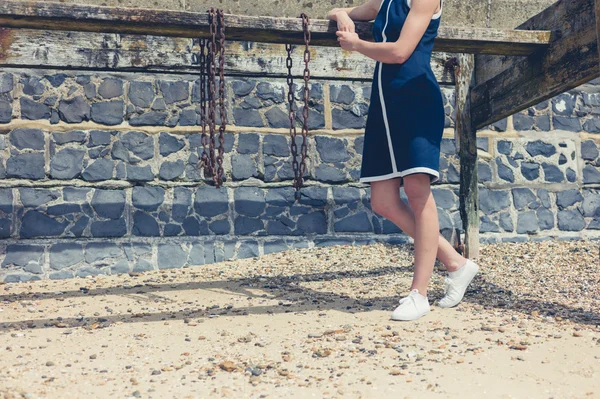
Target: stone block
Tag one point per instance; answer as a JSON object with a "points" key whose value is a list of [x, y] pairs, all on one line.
{"points": [[27, 139], [148, 198], [67, 163], [63, 255]]}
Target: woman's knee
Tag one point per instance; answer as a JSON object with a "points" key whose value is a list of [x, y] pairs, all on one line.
{"points": [[418, 190]]}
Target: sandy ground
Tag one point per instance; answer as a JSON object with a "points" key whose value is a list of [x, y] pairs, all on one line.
{"points": [[310, 323]]}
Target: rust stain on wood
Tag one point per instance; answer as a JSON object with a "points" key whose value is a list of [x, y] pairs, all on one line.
{"points": [[6, 39]]}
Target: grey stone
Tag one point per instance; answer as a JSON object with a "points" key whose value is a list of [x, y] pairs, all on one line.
{"points": [[542, 122], [504, 172], [247, 250], [313, 223], [249, 201], [63, 209], [346, 195], [594, 225], [6, 83], [283, 196], [20, 278], [159, 105], [142, 265], [564, 104], [101, 169], [266, 91], [34, 267], [6, 200], [27, 138], [148, 198], [141, 94], [248, 143], [343, 119], [243, 167], [444, 198], [171, 256], [562, 159], [120, 267], [492, 201], [522, 197], [342, 94], [242, 88], [227, 142], [274, 246], [589, 150], [99, 137], [276, 145], [175, 91], [313, 196], [330, 174], [79, 227], [189, 117], [145, 225], [567, 198], [33, 86], [36, 224], [111, 88], [90, 91], [538, 147], [592, 125], [247, 117], [591, 204], [245, 225], [74, 136], [171, 170], [514, 239], [182, 202], [571, 175], [567, 123], [171, 230], [88, 271], [591, 175], [26, 166], [110, 228], [140, 173], [552, 173], [67, 164], [527, 223], [530, 171], [506, 222], [96, 251], [570, 220], [500, 125], [488, 226], [65, 254], [545, 219], [193, 227], [22, 254], [108, 112], [210, 202], [109, 204], [31, 197], [484, 172], [33, 110], [5, 111], [359, 144], [359, 222], [151, 118], [522, 122], [331, 149], [74, 110], [196, 257], [169, 144], [277, 118]]}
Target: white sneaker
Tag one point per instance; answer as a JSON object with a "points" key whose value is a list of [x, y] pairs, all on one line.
{"points": [[411, 307], [457, 283]]}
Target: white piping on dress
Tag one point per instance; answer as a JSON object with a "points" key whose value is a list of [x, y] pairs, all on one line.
{"points": [[404, 173], [435, 16], [382, 100]]}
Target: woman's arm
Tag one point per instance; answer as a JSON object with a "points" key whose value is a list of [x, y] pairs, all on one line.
{"points": [[365, 12], [395, 52]]}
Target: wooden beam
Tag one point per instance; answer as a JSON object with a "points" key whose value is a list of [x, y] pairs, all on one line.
{"points": [[507, 86], [87, 18], [39, 49], [467, 136]]}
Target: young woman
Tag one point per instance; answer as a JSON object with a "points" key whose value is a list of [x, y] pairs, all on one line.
{"points": [[403, 135]]}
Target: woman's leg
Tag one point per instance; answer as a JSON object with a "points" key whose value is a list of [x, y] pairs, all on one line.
{"points": [[386, 201]]}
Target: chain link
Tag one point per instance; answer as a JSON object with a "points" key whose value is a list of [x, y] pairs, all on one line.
{"points": [[204, 163], [299, 168], [222, 113]]}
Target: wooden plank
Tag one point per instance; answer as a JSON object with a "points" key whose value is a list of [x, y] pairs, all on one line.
{"points": [[571, 60], [467, 136], [87, 18], [39, 49]]}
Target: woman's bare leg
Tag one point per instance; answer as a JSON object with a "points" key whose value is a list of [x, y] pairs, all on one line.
{"points": [[386, 201]]}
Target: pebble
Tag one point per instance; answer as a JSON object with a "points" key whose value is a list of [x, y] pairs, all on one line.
{"points": [[228, 366]]}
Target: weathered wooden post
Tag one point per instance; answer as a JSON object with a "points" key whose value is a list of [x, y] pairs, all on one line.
{"points": [[466, 136]]}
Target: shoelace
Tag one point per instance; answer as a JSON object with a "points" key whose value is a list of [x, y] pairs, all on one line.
{"points": [[410, 296]]}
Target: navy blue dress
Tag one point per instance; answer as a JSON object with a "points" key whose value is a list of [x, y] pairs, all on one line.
{"points": [[406, 116]]}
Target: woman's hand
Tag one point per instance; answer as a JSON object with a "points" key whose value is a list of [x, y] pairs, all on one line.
{"points": [[344, 22], [348, 40]]}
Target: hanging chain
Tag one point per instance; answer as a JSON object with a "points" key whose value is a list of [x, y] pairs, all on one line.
{"points": [[222, 113], [299, 168], [305, 111], [204, 163]]}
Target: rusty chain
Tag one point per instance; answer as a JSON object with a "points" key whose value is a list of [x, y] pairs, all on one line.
{"points": [[299, 168], [212, 160]]}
